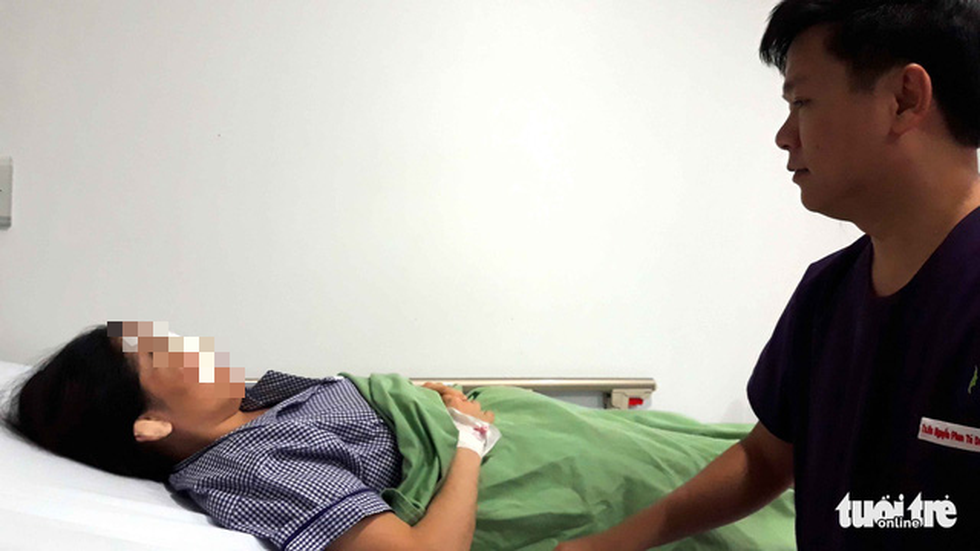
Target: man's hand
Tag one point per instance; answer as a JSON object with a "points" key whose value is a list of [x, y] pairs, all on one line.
{"points": [[588, 543], [455, 399], [748, 475]]}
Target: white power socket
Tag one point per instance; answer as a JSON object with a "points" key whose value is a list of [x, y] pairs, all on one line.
{"points": [[6, 190]]}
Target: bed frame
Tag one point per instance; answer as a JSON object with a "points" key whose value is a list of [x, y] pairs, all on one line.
{"points": [[617, 393]]}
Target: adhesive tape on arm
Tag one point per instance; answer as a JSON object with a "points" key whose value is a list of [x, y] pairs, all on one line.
{"points": [[474, 434]]}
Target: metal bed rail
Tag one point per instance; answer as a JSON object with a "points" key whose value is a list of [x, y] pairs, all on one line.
{"points": [[618, 393]]}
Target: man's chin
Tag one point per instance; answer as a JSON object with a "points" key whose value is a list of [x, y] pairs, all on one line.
{"points": [[820, 205], [809, 199]]}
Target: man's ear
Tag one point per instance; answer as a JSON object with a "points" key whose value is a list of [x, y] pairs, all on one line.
{"points": [[150, 428], [913, 95]]}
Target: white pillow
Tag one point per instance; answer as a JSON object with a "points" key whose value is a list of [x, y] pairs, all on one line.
{"points": [[48, 502]]}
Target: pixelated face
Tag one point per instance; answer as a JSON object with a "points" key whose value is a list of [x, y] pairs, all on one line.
{"points": [[835, 135], [179, 368]]}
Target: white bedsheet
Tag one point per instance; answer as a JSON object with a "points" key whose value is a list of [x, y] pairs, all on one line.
{"points": [[47, 502]]}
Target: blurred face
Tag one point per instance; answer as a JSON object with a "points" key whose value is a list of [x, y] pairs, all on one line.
{"points": [[184, 374], [835, 137]]}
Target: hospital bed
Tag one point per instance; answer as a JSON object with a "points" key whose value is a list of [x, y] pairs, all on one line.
{"points": [[47, 502]]}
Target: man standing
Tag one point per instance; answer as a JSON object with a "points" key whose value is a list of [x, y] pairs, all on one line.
{"points": [[866, 393]]}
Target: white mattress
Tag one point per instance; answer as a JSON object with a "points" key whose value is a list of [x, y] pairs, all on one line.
{"points": [[47, 502]]}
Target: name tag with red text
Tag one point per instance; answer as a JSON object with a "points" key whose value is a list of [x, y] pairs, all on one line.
{"points": [[950, 434]]}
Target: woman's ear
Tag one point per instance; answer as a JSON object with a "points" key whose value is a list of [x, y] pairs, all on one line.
{"points": [[150, 428]]}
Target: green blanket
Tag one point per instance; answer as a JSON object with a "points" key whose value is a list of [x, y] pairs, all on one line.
{"points": [[561, 471]]}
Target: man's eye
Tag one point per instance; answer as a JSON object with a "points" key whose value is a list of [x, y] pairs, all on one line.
{"points": [[799, 102]]}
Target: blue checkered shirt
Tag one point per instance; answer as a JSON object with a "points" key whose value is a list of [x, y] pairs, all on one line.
{"points": [[304, 472]]}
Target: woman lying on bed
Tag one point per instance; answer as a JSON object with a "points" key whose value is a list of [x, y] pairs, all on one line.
{"points": [[366, 463]]}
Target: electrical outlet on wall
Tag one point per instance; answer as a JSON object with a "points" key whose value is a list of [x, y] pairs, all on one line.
{"points": [[6, 190]]}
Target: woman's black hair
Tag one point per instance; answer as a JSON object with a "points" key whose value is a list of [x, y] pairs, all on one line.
{"points": [[874, 36], [81, 404]]}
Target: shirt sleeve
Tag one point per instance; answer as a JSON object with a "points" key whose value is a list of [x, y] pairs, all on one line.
{"points": [[297, 497], [772, 389]]}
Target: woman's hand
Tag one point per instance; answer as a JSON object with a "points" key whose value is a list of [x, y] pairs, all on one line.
{"points": [[455, 399], [443, 390]]}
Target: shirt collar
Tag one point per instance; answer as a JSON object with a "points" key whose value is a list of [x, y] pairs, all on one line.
{"points": [[275, 387]]}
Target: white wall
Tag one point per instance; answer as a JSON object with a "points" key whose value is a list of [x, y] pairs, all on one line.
{"points": [[435, 187]]}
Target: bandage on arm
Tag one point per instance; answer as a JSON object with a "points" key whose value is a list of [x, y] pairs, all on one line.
{"points": [[474, 434]]}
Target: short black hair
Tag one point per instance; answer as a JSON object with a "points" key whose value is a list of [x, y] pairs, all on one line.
{"points": [[81, 404], [874, 36]]}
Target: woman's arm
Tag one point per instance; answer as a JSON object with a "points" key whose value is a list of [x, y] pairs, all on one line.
{"points": [[448, 523], [450, 520]]}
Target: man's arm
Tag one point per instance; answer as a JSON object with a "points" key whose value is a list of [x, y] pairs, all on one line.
{"points": [[738, 482], [449, 521]]}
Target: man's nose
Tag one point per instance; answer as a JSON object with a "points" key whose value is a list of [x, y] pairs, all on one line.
{"points": [[788, 137]]}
